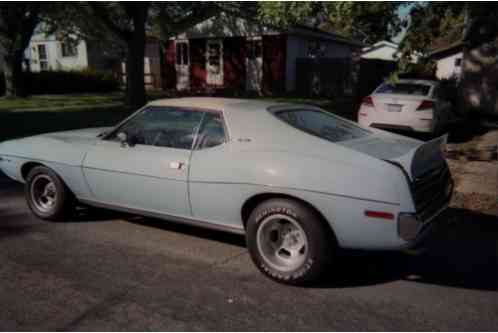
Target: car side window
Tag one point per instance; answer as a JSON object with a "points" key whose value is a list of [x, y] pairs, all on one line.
{"points": [[162, 127], [211, 132]]}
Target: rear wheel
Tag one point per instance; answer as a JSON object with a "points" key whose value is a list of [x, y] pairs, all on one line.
{"points": [[47, 195], [289, 242]]}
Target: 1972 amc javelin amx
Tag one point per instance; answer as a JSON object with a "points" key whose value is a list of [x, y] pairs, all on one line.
{"points": [[299, 182]]}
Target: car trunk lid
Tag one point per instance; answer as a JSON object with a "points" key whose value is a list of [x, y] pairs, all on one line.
{"points": [[414, 157]]}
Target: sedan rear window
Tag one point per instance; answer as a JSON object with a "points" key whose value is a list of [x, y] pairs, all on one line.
{"points": [[322, 124], [415, 89]]}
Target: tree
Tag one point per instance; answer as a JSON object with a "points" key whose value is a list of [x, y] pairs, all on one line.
{"points": [[126, 24], [368, 22], [429, 26], [17, 24]]}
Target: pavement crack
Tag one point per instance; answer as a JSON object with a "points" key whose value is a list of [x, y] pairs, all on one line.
{"points": [[108, 302], [229, 259]]}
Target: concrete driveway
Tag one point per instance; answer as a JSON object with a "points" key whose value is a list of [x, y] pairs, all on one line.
{"points": [[105, 271]]}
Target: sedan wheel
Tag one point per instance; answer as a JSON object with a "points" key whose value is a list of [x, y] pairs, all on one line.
{"points": [[289, 241], [282, 242], [43, 193], [47, 195]]}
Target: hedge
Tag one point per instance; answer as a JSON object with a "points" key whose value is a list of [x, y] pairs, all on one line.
{"points": [[67, 82]]}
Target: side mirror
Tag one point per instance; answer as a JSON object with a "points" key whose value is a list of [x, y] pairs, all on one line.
{"points": [[126, 140]]}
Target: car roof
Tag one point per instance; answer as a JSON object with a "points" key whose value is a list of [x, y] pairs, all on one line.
{"points": [[217, 103], [418, 81]]}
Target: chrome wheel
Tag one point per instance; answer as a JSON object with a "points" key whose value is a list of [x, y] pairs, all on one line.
{"points": [[282, 242], [43, 193]]}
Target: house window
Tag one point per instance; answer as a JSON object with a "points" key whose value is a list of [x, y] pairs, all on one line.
{"points": [[42, 56], [458, 62], [69, 49], [254, 49], [316, 49], [214, 54], [182, 53]]}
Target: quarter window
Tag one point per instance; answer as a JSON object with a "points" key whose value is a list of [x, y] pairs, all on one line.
{"points": [[321, 124], [212, 131], [162, 127]]}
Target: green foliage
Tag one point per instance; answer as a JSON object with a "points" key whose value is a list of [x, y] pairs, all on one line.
{"points": [[429, 26], [368, 22]]}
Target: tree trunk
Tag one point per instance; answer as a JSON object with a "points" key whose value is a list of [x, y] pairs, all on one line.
{"points": [[135, 84], [14, 76]]}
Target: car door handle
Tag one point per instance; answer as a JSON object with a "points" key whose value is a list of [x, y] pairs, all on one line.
{"points": [[177, 165]]}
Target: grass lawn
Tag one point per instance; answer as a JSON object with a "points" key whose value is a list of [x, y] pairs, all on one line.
{"points": [[49, 113], [62, 102]]}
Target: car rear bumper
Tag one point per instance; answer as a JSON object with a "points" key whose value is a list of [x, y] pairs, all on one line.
{"points": [[415, 229], [419, 121]]}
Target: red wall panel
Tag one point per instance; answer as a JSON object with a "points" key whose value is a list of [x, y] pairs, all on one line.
{"points": [[169, 65], [274, 57], [197, 64], [234, 63]]}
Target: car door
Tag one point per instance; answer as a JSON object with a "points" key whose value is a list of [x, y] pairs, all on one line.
{"points": [[210, 197], [151, 172]]}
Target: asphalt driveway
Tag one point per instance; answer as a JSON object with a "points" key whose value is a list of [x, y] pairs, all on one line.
{"points": [[106, 271]]}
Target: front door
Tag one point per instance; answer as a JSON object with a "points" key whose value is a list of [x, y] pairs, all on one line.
{"points": [[182, 65], [254, 64], [214, 62], [150, 175]]}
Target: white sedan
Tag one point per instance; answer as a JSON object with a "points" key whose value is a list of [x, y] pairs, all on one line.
{"points": [[298, 181], [408, 105]]}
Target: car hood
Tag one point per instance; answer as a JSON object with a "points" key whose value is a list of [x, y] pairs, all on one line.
{"points": [[67, 147], [83, 136]]}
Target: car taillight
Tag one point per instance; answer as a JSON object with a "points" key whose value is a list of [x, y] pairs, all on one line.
{"points": [[367, 101], [426, 105]]}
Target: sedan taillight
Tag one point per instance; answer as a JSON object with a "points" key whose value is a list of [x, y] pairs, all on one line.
{"points": [[368, 101], [425, 105]]}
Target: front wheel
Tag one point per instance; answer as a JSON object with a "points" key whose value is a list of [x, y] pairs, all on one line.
{"points": [[289, 242], [47, 195]]}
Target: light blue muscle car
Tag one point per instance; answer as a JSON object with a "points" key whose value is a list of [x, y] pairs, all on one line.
{"points": [[298, 181]]}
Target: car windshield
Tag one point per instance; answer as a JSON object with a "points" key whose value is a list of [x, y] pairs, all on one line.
{"points": [[415, 89], [322, 124]]}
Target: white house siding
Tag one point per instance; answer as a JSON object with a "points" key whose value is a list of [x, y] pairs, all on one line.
{"points": [[54, 59], [446, 66], [297, 47], [383, 53]]}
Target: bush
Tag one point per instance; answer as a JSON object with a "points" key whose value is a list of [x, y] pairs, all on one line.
{"points": [[67, 82], [64, 82]]}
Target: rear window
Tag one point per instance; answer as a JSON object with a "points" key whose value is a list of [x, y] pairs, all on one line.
{"points": [[321, 124], [415, 89]]}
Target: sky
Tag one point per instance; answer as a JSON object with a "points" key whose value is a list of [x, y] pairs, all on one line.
{"points": [[403, 12]]}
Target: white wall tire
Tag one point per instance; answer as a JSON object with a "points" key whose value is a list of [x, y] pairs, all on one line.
{"points": [[289, 242]]}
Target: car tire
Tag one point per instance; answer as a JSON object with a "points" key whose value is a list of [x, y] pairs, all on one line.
{"points": [[289, 242], [47, 195]]}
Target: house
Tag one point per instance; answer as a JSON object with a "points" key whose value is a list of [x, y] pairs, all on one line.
{"points": [[48, 53], [227, 52], [448, 61], [154, 74], [383, 50]]}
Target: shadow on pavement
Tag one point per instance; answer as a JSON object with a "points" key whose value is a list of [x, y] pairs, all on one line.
{"points": [[462, 252], [223, 237]]}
